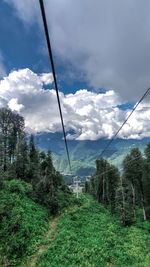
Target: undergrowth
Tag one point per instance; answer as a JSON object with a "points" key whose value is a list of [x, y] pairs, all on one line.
{"points": [[85, 234], [23, 221], [90, 236]]}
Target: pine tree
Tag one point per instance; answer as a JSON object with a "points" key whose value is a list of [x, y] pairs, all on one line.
{"points": [[34, 163], [22, 162], [46, 188], [87, 190], [112, 184], [100, 180], [133, 173], [103, 183], [146, 179], [11, 129]]}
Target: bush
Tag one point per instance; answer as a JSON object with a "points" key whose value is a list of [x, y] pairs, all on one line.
{"points": [[15, 186], [22, 222]]}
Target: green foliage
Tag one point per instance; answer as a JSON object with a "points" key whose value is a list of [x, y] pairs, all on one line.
{"points": [[66, 199], [22, 222], [133, 175], [90, 236], [80, 168], [123, 195], [1, 179], [19, 160], [34, 163], [146, 180], [11, 132], [103, 184]]}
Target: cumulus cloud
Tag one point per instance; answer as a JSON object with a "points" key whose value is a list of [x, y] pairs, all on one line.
{"points": [[22, 91], [107, 41], [46, 78], [87, 115], [14, 106]]}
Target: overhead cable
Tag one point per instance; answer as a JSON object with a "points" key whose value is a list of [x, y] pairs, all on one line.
{"points": [[112, 139], [112, 166], [54, 75]]}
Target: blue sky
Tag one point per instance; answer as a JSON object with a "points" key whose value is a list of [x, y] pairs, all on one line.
{"points": [[96, 46], [25, 47], [19, 43]]}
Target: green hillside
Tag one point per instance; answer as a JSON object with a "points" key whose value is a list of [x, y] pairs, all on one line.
{"points": [[23, 221], [90, 236], [78, 167], [84, 153], [83, 234], [43, 224]]}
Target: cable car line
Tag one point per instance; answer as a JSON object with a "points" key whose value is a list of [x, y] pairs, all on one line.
{"points": [[112, 139], [57, 92], [117, 167], [54, 75]]}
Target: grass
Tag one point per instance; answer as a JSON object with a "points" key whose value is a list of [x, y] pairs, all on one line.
{"points": [[26, 226], [85, 234], [90, 236], [22, 223]]}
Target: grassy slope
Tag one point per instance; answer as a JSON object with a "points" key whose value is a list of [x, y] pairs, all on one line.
{"points": [[90, 236], [22, 222], [84, 235]]}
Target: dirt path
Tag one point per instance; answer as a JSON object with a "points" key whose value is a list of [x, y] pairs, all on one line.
{"points": [[48, 238]]}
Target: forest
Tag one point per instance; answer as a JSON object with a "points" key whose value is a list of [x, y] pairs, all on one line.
{"points": [[29, 187], [126, 195], [109, 228]]}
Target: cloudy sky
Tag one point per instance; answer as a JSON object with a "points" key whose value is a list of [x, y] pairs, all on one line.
{"points": [[102, 59]]}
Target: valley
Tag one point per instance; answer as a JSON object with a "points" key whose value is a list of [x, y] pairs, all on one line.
{"points": [[84, 153]]}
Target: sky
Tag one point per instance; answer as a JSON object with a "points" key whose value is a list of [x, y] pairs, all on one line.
{"points": [[101, 54]]}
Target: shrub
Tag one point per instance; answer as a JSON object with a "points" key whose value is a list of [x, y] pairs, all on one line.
{"points": [[22, 222]]}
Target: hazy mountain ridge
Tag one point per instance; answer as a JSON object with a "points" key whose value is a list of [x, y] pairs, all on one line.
{"points": [[84, 153]]}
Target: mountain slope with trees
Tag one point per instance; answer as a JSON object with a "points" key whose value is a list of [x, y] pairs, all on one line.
{"points": [[124, 194], [84, 153], [31, 190], [111, 231]]}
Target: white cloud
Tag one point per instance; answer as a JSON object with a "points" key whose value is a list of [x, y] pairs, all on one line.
{"points": [[91, 115], [14, 106], [46, 78], [107, 41]]}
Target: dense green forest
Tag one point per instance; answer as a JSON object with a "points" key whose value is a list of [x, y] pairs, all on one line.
{"points": [[43, 224], [126, 195]]}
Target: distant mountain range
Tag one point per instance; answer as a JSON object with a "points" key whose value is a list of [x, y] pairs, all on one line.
{"points": [[84, 153]]}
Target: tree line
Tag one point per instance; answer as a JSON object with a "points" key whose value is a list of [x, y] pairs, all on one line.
{"points": [[20, 159], [128, 194]]}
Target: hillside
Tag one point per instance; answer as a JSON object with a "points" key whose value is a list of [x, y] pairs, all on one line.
{"points": [[84, 153], [78, 167], [82, 234], [23, 221], [89, 236]]}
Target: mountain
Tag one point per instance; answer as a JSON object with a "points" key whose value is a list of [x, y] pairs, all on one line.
{"points": [[84, 153]]}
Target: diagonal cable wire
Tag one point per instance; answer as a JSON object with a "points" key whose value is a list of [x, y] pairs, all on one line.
{"points": [[112, 139], [111, 168], [54, 75]]}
